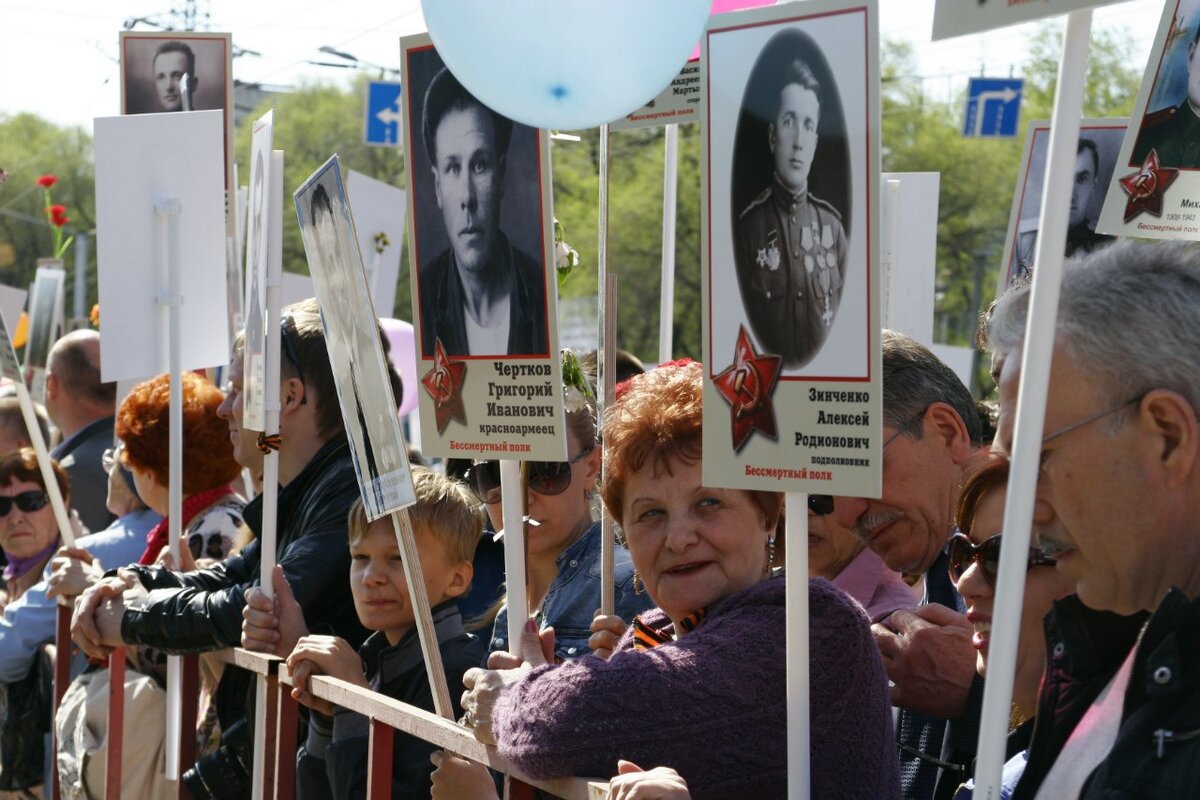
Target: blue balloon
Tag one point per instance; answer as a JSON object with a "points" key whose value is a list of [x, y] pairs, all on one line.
{"points": [[565, 64]]}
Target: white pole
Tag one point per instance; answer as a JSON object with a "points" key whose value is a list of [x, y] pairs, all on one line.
{"points": [[512, 495], [270, 490], [666, 302], [1031, 405], [168, 211], [892, 195], [606, 352], [796, 558], [61, 515]]}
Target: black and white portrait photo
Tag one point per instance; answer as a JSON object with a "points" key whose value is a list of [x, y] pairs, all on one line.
{"points": [[478, 220], [1095, 159], [178, 71], [790, 190], [352, 336], [1170, 125]]}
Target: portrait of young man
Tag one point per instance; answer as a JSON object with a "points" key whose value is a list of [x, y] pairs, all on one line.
{"points": [[789, 242], [1173, 131], [477, 221]]}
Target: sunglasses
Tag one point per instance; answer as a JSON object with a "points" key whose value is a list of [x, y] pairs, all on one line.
{"points": [[544, 477], [987, 555], [820, 504], [33, 500]]}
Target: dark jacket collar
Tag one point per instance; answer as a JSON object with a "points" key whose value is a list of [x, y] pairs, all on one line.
{"points": [[388, 662], [289, 496]]}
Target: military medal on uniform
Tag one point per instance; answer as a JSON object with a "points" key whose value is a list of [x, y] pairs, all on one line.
{"points": [[828, 262]]}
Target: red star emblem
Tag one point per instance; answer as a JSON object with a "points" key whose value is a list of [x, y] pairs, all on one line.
{"points": [[1146, 187], [747, 385], [445, 384]]}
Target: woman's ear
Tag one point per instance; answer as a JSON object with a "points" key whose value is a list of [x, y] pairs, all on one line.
{"points": [[292, 395]]}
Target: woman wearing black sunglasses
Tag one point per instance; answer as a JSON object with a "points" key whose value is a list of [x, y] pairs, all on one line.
{"points": [[974, 560], [562, 559]]}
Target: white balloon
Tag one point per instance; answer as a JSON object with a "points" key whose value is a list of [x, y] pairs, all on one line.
{"points": [[565, 64]]}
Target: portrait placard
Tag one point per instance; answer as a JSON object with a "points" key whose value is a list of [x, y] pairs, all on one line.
{"points": [[352, 339], [380, 223], [791, 225], [957, 17], [678, 103], [910, 273], [45, 312], [483, 283], [141, 161], [12, 301], [262, 207], [9, 368], [154, 65], [1155, 189], [1095, 158]]}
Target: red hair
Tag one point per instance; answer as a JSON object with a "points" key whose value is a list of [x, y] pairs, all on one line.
{"points": [[142, 424]]}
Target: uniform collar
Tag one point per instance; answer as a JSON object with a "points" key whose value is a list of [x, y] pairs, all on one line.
{"points": [[785, 196]]}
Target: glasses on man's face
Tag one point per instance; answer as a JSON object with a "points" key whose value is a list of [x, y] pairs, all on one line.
{"points": [[905, 427], [1088, 420], [987, 557], [544, 477], [33, 500]]}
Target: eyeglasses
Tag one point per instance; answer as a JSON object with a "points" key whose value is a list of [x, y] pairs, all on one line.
{"points": [[820, 504], [289, 350], [905, 427], [33, 500], [987, 555], [544, 477], [1087, 420]]}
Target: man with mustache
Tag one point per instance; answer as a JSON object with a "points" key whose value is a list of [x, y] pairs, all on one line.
{"points": [[789, 246], [1117, 490], [930, 432], [481, 295]]}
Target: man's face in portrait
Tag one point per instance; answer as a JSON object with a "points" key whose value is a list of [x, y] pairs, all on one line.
{"points": [[469, 182], [793, 135], [169, 69], [1194, 75], [1085, 184]]}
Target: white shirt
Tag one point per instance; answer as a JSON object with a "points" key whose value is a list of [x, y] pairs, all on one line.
{"points": [[481, 340]]}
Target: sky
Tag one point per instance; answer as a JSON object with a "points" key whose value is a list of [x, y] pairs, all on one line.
{"points": [[59, 59]]}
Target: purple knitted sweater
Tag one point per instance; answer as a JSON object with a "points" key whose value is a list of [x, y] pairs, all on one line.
{"points": [[712, 705]]}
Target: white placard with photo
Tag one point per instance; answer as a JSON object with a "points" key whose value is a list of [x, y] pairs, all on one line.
{"points": [[45, 313], [258, 266], [352, 339], [379, 218], [1155, 189], [957, 17], [678, 103], [791, 266], [909, 277], [12, 302], [141, 161], [1095, 157]]}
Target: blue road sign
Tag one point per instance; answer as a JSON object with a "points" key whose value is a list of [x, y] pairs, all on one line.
{"points": [[993, 107], [382, 124]]}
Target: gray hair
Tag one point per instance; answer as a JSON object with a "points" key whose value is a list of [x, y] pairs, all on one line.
{"points": [[1128, 314], [914, 379]]}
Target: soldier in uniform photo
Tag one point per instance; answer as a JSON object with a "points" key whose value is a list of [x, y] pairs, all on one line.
{"points": [[789, 245], [1174, 132], [1081, 232]]}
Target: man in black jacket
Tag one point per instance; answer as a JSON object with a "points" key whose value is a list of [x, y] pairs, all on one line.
{"points": [[202, 611], [1116, 499]]}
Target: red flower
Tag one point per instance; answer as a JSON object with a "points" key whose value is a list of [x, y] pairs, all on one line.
{"points": [[46, 181], [58, 214]]}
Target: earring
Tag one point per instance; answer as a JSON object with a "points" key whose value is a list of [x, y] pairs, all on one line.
{"points": [[588, 494], [638, 587], [770, 553]]}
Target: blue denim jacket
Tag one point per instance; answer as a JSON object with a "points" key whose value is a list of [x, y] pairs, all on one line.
{"points": [[574, 596]]}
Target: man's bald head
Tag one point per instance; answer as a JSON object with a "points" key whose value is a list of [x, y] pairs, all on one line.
{"points": [[75, 362]]}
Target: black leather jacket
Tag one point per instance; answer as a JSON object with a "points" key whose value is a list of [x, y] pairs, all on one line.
{"points": [[202, 610], [1084, 649]]}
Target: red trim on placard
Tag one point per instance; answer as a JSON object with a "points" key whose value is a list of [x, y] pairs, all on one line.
{"points": [[708, 122]]}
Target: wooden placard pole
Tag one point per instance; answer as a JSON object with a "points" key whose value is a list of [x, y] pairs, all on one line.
{"points": [[666, 300], [1031, 405], [796, 557], [605, 357], [414, 575], [512, 496]]}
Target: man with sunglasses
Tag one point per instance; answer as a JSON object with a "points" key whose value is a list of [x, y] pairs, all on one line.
{"points": [[931, 430], [1117, 491]]}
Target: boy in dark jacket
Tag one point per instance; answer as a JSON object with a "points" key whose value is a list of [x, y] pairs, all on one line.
{"points": [[446, 521]]}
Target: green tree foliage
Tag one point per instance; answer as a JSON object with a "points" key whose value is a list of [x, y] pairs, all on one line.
{"points": [[312, 123], [30, 147]]}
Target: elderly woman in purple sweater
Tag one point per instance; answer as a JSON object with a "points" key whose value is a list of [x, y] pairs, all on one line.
{"points": [[697, 684]]}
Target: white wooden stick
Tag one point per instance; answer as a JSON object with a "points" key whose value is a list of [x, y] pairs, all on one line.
{"points": [[61, 514], [666, 300], [892, 190], [796, 558], [1031, 405], [607, 389], [512, 495], [423, 616]]}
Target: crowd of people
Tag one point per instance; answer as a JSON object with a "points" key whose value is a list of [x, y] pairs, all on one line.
{"points": [[679, 692]]}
